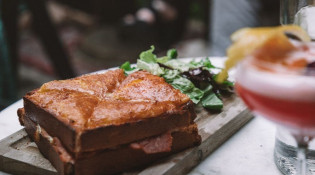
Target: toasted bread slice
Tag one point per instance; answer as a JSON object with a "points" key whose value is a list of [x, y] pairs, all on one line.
{"points": [[100, 111], [108, 161]]}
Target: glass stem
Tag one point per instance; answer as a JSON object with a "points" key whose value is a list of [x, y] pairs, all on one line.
{"points": [[301, 157], [302, 142]]}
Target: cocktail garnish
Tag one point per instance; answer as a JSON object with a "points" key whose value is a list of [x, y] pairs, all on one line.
{"points": [[266, 43]]}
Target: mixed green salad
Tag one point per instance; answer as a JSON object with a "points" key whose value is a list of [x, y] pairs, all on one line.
{"points": [[195, 78]]}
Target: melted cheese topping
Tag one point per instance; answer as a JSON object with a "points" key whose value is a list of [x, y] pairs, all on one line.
{"points": [[110, 98]]}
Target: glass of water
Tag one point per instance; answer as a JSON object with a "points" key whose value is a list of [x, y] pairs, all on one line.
{"points": [[299, 12]]}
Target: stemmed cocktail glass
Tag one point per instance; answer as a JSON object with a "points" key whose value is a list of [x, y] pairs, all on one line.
{"points": [[285, 95]]}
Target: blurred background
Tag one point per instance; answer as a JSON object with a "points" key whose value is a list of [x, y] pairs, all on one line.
{"points": [[43, 40]]}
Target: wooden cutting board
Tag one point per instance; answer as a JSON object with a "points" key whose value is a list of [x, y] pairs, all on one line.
{"points": [[18, 155]]}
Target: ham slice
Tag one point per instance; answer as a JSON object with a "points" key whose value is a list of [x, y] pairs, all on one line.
{"points": [[162, 143]]}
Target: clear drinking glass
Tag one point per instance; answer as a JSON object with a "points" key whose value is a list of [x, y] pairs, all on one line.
{"points": [[286, 97], [299, 12]]}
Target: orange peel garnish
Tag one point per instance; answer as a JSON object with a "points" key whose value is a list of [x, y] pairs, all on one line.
{"points": [[271, 39]]}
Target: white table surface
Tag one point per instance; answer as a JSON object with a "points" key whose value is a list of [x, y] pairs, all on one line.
{"points": [[249, 151]]}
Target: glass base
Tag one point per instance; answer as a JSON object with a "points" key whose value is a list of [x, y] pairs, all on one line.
{"points": [[286, 161]]}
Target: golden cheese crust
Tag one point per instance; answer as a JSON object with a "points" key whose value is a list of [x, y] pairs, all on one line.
{"points": [[109, 98]]}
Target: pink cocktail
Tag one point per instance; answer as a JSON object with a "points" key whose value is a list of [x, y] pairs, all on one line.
{"points": [[283, 91], [286, 98]]}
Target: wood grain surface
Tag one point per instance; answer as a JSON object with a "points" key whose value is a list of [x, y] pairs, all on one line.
{"points": [[18, 155]]}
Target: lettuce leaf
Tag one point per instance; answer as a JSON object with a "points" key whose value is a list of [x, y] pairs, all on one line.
{"points": [[172, 53], [173, 74], [211, 101], [128, 69], [148, 56], [153, 68], [178, 64], [205, 63], [184, 85]]}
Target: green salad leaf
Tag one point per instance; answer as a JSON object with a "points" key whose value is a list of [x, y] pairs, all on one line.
{"points": [[162, 59], [183, 84], [170, 75], [128, 69], [211, 101], [148, 56], [178, 65], [207, 63], [174, 70], [153, 68], [172, 53], [207, 89], [195, 95]]}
